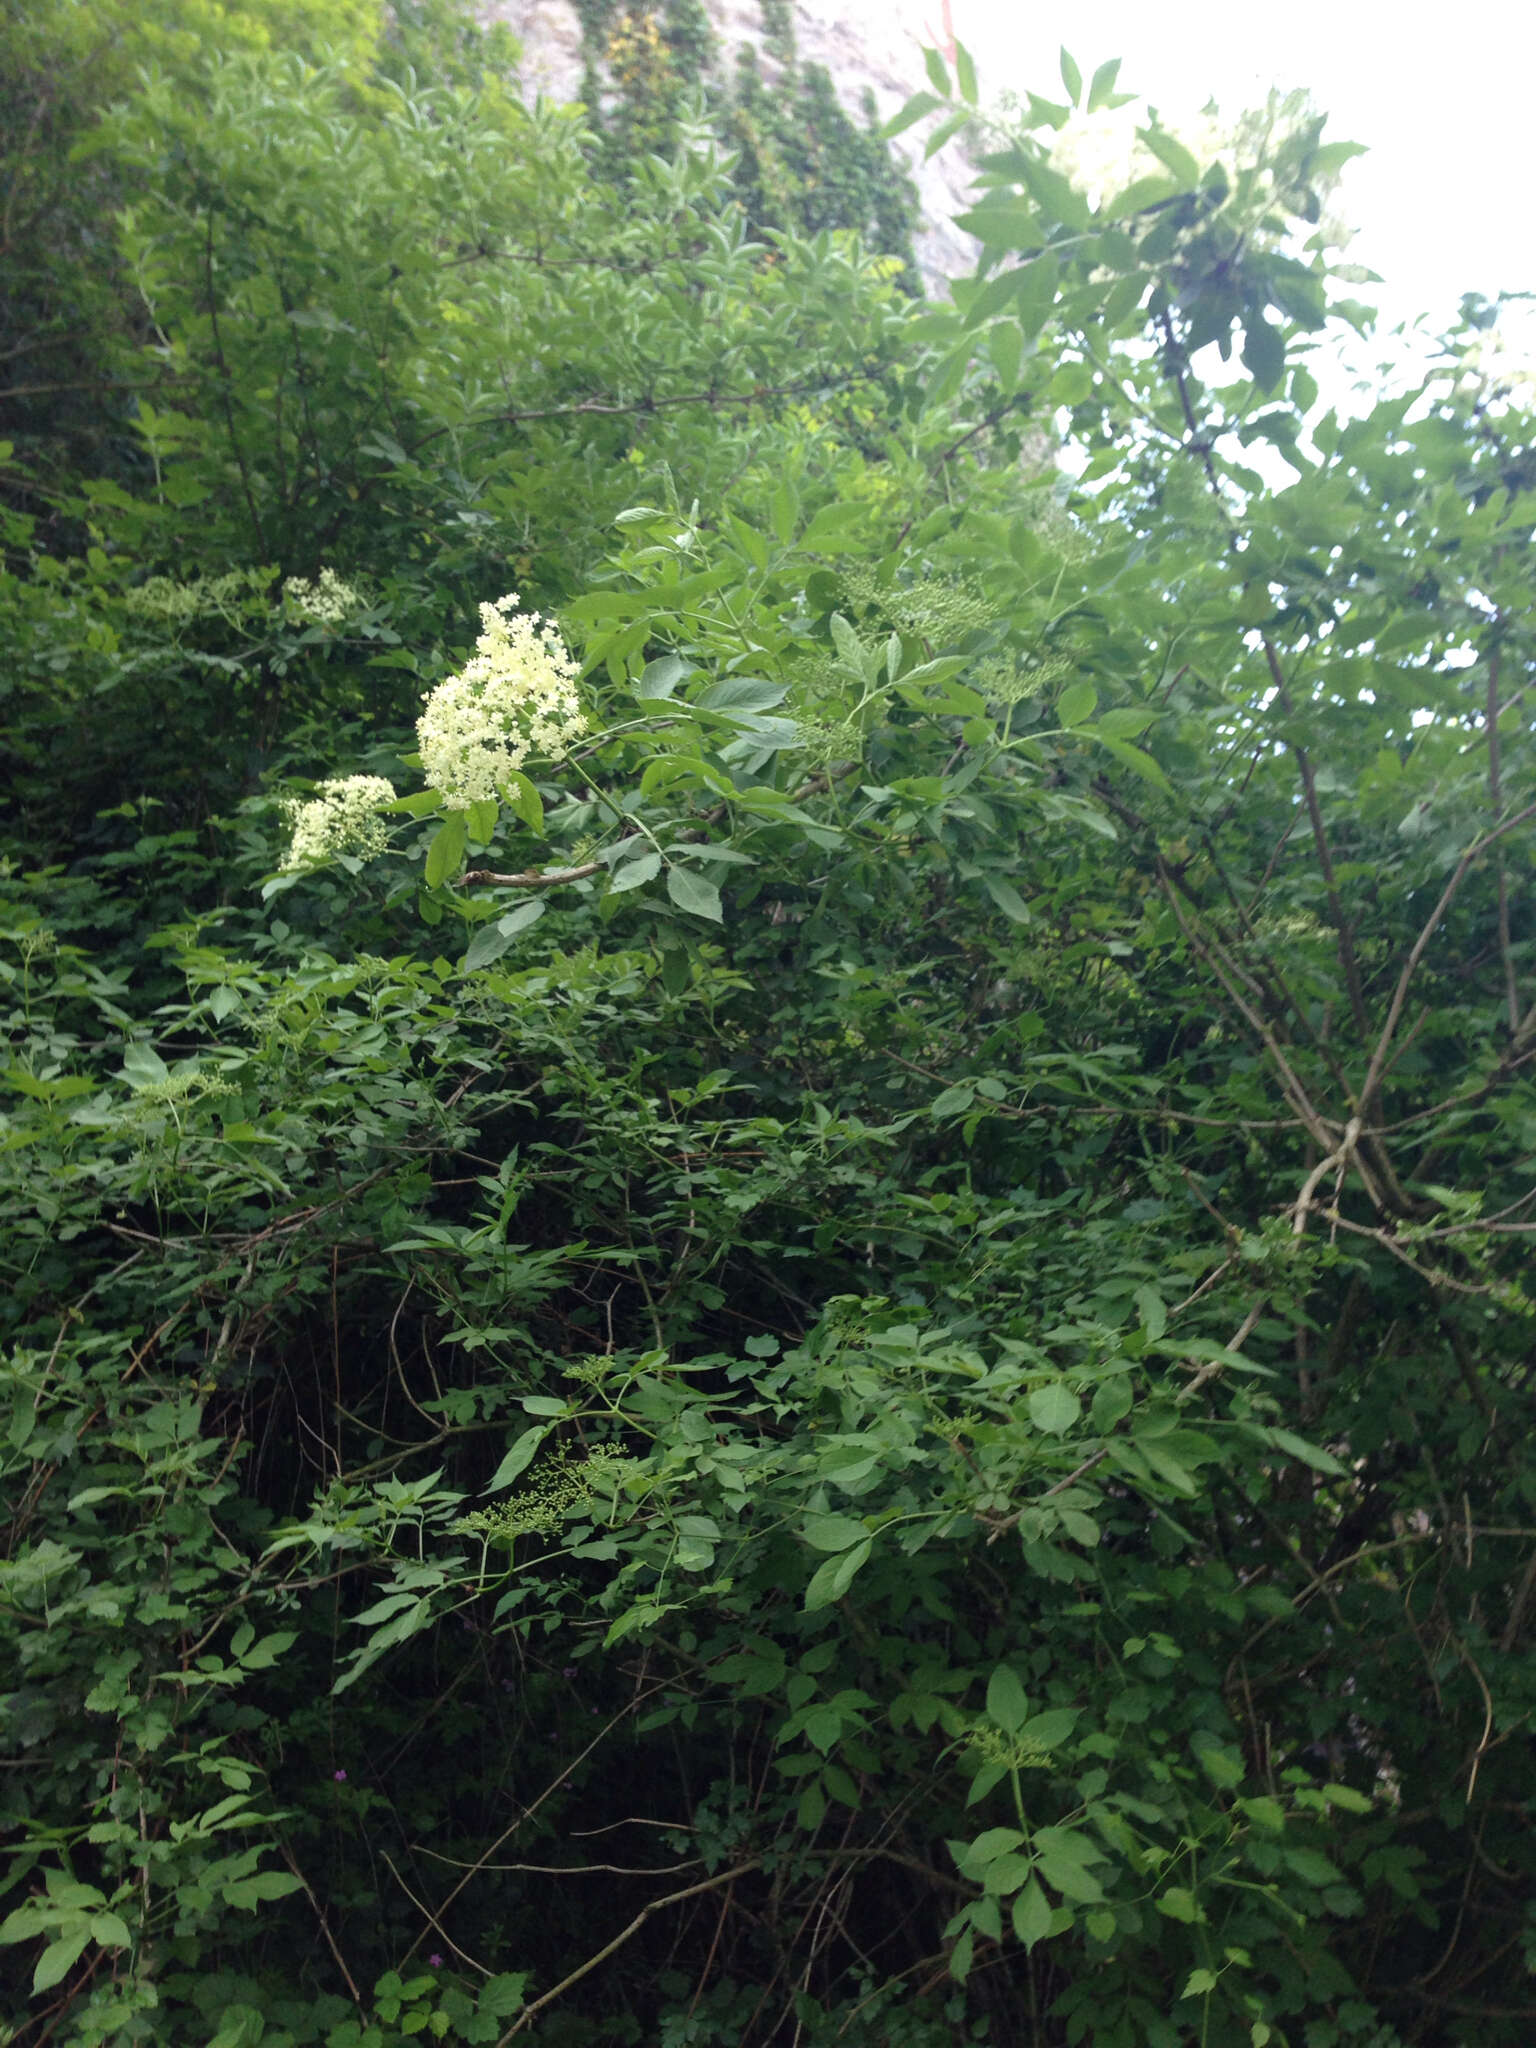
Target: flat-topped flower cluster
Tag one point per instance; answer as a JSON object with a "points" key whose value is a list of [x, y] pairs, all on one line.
{"points": [[515, 696], [1103, 153], [327, 601], [341, 817]]}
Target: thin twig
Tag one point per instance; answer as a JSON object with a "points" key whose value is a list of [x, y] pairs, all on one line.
{"points": [[330, 1939], [1496, 803], [1420, 944], [530, 878], [692, 1891]]}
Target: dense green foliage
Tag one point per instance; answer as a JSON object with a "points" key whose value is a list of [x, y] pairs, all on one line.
{"points": [[855, 1367]]}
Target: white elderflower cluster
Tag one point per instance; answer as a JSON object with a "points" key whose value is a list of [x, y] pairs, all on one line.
{"points": [[341, 817], [1101, 154], [327, 601], [515, 696], [1496, 368]]}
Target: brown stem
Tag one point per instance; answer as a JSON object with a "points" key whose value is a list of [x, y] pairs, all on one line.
{"points": [[1411, 964], [330, 1939], [1296, 1094], [709, 1884], [530, 878], [1341, 926], [1496, 803], [225, 383]]}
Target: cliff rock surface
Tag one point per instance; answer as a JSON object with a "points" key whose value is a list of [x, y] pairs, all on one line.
{"points": [[874, 44]]}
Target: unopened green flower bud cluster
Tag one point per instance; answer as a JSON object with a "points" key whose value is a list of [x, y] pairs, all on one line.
{"points": [[939, 610], [560, 1485], [1006, 681], [176, 604]]}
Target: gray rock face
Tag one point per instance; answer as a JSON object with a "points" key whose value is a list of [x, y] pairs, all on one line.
{"points": [[873, 43]]}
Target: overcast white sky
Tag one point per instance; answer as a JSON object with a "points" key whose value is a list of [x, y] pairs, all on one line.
{"points": [[1446, 201]]}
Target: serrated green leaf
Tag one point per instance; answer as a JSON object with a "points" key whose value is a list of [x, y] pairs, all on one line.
{"points": [[1101, 88], [659, 678], [525, 802], [1007, 1701], [1031, 1914], [1126, 721], [1178, 1903], [1007, 899], [634, 874], [247, 1893], [1265, 1813], [485, 948], [945, 132], [831, 528], [445, 854], [1169, 150], [847, 642], [1134, 758], [1348, 1798], [518, 1458], [1005, 345], [832, 1580], [502, 1997], [921, 103], [1263, 352], [1152, 1310], [1035, 292], [744, 694], [143, 1066], [1307, 1453], [1050, 1729], [1064, 1857], [832, 1532], [1054, 1408], [1076, 703], [691, 892], [492, 940], [58, 1959]]}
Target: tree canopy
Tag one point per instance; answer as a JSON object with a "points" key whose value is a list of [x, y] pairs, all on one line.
{"points": [[768, 1124]]}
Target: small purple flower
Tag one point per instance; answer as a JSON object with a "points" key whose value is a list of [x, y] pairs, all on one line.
{"points": [[568, 1671], [434, 1961], [340, 1777]]}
